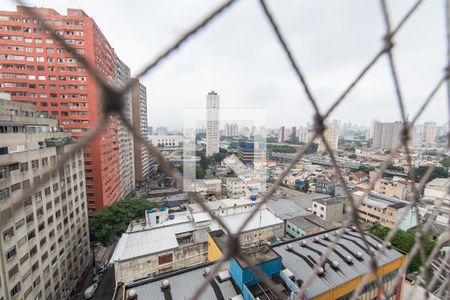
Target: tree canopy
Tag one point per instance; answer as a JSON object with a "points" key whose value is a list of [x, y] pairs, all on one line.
{"points": [[113, 220], [404, 241]]}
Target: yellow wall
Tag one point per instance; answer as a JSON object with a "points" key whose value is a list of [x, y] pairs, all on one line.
{"points": [[214, 252], [352, 285]]}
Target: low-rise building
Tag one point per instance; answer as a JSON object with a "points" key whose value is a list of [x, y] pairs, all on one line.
{"points": [[392, 188], [235, 187], [378, 208], [209, 186], [165, 241], [166, 141], [306, 225], [325, 186], [438, 188], [331, 209]]}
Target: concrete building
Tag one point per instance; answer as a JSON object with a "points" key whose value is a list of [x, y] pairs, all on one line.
{"points": [[250, 152], [126, 140], [235, 187], [144, 164], [231, 130], [387, 211], [290, 264], [44, 241], [386, 135], [281, 135], [164, 242], [438, 188], [392, 188], [212, 123], [331, 137], [429, 133], [34, 68], [331, 209], [169, 141], [306, 225]]}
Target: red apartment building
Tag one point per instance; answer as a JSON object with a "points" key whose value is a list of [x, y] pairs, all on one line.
{"points": [[35, 68]]}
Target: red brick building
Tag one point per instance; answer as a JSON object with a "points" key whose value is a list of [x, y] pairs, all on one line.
{"points": [[35, 68]]}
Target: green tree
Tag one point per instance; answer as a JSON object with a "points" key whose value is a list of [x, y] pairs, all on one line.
{"points": [[366, 169], [404, 241], [395, 168], [113, 220], [352, 156], [281, 148], [313, 148], [438, 172]]}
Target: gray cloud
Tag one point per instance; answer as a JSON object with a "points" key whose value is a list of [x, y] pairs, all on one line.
{"points": [[238, 55]]}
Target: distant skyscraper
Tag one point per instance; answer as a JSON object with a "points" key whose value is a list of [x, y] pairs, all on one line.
{"points": [[331, 137], [281, 135], [160, 131], [212, 123], [143, 162], [386, 135], [126, 140], [429, 133]]}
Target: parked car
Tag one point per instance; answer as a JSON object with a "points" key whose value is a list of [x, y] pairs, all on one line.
{"points": [[90, 291], [102, 269], [97, 278]]}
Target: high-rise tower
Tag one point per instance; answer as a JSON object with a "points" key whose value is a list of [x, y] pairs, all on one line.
{"points": [[212, 123]]}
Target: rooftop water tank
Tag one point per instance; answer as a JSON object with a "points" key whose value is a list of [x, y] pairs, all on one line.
{"points": [[253, 197]]}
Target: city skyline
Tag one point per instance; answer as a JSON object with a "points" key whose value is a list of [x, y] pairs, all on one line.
{"points": [[250, 76]]}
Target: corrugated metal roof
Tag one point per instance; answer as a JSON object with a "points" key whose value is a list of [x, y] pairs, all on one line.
{"points": [[332, 278], [184, 285]]}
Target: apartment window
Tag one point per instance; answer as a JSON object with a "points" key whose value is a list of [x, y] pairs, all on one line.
{"points": [[13, 271], [166, 258], [8, 234], [33, 251], [35, 266], [23, 167], [11, 253], [4, 194], [15, 290], [31, 235], [35, 164], [15, 187], [24, 258], [20, 223]]}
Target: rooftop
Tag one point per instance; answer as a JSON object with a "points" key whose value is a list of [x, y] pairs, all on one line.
{"points": [[302, 259], [285, 208], [264, 218], [438, 183], [183, 285], [330, 200], [381, 201], [310, 221], [146, 242]]}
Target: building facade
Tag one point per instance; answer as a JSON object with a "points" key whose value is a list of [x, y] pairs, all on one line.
{"points": [[331, 137], [429, 133], [387, 211], [212, 123], [386, 135], [35, 68], [44, 243], [126, 140], [392, 188], [250, 152], [144, 164], [169, 141], [329, 209]]}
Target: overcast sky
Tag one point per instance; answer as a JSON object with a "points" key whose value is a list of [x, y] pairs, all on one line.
{"points": [[238, 56]]}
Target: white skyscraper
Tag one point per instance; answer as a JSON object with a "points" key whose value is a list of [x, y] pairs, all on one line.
{"points": [[212, 123], [331, 137], [429, 133]]}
